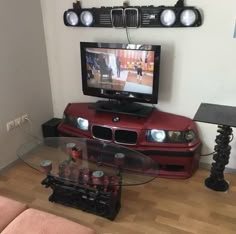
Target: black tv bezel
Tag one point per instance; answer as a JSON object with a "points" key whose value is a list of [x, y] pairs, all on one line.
{"points": [[117, 94]]}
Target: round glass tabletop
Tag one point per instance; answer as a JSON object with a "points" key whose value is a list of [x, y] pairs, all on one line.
{"points": [[90, 162]]}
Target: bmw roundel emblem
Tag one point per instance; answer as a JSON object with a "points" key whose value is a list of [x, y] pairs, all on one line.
{"points": [[116, 119]]}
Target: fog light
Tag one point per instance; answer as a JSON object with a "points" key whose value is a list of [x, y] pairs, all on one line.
{"points": [[188, 17], [86, 18], [72, 18], [168, 17]]}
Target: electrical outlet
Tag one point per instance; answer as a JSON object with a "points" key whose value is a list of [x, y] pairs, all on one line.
{"points": [[16, 122], [10, 125]]}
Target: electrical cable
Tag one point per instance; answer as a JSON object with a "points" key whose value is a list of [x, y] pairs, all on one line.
{"points": [[127, 35], [29, 133], [204, 155], [30, 122]]}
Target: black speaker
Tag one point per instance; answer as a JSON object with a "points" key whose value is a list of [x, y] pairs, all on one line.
{"points": [[49, 128]]}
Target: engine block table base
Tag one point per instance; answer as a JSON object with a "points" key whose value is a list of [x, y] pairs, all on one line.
{"points": [[95, 201]]}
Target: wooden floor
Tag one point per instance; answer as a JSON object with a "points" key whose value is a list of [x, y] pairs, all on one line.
{"points": [[161, 206]]}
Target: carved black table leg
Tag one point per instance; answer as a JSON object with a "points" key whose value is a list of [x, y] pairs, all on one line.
{"points": [[216, 179], [225, 118]]}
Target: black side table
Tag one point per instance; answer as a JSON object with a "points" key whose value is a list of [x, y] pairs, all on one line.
{"points": [[225, 118]]}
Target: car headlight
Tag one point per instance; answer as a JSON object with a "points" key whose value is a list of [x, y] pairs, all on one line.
{"points": [[155, 135], [189, 135], [72, 18], [188, 17], [82, 124], [86, 18], [175, 136], [168, 17]]}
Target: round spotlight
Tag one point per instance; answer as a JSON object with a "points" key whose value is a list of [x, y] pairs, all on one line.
{"points": [[168, 17], [72, 18], [86, 18], [188, 17]]}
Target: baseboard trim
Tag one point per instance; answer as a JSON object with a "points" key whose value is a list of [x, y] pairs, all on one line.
{"points": [[10, 165], [207, 166]]}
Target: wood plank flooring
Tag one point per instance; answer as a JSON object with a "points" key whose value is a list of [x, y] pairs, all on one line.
{"points": [[162, 206]]}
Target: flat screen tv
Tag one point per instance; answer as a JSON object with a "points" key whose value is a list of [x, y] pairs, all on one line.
{"points": [[125, 74]]}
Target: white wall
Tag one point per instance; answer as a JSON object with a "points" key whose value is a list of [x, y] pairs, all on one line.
{"points": [[24, 77], [197, 64]]}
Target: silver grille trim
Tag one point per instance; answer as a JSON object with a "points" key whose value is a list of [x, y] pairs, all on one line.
{"points": [[120, 136]]}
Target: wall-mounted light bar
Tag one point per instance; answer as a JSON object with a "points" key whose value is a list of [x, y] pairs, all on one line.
{"points": [[133, 17]]}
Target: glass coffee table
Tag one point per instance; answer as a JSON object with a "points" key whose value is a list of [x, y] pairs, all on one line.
{"points": [[87, 174]]}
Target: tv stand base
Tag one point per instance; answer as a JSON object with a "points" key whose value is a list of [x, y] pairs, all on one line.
{"points": [[128, 108], [130, 131]]}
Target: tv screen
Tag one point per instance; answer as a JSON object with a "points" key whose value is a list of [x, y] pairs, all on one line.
{"points": [[124, 72]]}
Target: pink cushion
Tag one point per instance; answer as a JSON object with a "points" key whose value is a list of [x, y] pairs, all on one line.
{"points": [[34, 221], [9, 210]]}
